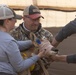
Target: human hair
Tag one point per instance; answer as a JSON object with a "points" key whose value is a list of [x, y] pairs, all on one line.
{"points": [[1, 22]]}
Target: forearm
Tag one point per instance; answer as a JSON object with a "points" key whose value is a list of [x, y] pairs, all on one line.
{"points": [[16, 60], [55, 43], [59, 58], [64, 58], [24, 44], [66, 31]]}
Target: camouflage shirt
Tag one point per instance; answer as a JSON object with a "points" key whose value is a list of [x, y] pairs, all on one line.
{"points": [[20, 33]]}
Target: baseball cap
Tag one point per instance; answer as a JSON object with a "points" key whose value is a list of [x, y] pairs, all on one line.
{"points": [[6, 12], [32, 11]]}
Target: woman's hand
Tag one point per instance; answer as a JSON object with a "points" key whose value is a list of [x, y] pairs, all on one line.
{"points": [[41, 54]]}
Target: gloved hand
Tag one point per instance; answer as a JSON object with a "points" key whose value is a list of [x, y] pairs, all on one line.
{"points": [[46, 45]]}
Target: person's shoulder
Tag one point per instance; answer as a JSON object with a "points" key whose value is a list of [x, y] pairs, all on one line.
{"points": [[6, 36], [18, 27], [46, 31], [15, 30]]}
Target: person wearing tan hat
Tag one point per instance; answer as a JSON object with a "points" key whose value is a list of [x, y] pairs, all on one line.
{"points": [[31, 23], [11, 60]]}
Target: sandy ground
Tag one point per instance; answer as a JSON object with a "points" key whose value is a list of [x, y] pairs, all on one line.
{"points": [[68, 46]]}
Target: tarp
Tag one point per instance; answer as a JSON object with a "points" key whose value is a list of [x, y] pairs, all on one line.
{"points": [[54, 4]]}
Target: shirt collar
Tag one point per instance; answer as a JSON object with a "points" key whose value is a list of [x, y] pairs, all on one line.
{"points": [[25, 27]]}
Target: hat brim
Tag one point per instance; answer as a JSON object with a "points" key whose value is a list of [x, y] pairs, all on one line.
{"points": [[16, 16], [19, 17], [35, 16]]}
